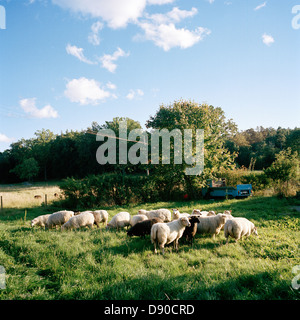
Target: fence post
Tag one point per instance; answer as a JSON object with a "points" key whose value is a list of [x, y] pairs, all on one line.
{"points": [[45, 200], [1, 203]]}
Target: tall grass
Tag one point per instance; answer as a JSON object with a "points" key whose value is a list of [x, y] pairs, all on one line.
{"points": [[102, 264]]}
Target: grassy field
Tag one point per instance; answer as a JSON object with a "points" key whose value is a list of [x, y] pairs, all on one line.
{"points": [[101, 264]]}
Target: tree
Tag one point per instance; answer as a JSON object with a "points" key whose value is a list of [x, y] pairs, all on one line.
{"points": [[28, 169], [191, 115], [284, 171]]}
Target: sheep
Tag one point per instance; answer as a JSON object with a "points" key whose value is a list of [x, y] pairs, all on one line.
{"points": [[203, 213], [239, 227], [138, 218], [58, 218], [37, 197], [100, 216], [177, 214], [142, 228], [85, 219], [120, 220], [189, 232], [211, 224], [163, 214], [40, 221], [165, 233]]}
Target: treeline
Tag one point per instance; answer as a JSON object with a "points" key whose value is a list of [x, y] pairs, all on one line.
{"points": [[50, 156]]}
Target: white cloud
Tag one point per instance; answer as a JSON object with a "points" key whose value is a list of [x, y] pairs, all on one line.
{"points": [[108, 60], [134, 94], [94, 35], [117, 13], [78, 53], [211, 1], [85, 91], [4, 138], [167, 36], [267, 39], [29, 106], [176, 15], [260, 6]]}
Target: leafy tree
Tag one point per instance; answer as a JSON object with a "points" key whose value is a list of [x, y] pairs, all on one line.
{"points": [[191, 115], [284, 170], [28, 169]]}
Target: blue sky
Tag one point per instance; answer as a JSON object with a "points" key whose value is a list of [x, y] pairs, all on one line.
{"points": [[67, 63]]}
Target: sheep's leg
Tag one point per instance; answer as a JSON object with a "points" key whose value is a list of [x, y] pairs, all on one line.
{"points": [[155, 251]]}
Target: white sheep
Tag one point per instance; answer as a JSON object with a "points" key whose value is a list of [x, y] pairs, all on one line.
{"points": [[137, 218], [120, 220], [212, 224], [163, 214], [177, 214], [165, 233], [58, 218], [239, 227], [100, 216], [84, 219], [40, 221]]}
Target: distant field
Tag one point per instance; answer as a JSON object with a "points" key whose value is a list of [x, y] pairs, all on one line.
{"points": [[22, 195]]}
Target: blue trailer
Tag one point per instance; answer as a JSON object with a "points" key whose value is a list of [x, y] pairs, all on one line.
{"points": [[218, 189]]}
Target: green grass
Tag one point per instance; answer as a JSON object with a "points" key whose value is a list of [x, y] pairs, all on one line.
{"points": [[101, 264]]}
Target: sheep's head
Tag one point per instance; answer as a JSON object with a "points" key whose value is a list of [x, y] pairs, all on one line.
{"points": [[33, 222], [211, 213], [176, 214], [254, 231], [228, 212], [194, 219], [223, 217], [185, 221], [197, 211]]}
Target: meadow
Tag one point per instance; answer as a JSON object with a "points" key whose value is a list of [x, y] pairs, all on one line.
{"points": [[107, 264]]}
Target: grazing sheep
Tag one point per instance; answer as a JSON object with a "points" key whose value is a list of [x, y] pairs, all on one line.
{"points": [[85, 219], [142, 228], [120, 220], [40, 221], [138, 218], [203, 213], [58, 218], [163, 214], [100, 216], [165, 233], [37, 197], [189, 232], [177, 214], [211, 224], [239, 227]]}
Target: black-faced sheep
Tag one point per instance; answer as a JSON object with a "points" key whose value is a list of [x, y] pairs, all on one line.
{"points": [[189, 232], [142, 228]]}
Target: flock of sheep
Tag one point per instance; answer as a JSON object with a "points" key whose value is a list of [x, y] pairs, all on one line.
{"points": [[160, 224]]}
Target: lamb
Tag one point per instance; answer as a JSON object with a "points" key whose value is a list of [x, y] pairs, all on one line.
{"points": [[138, 218], [189, 232], [40, 221], [177, 214], [163, 214], [100, 216], [142, 228], [211, 224], [85, 219], [165, 233], [120, 220], [239, 227], [58, 218]]}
